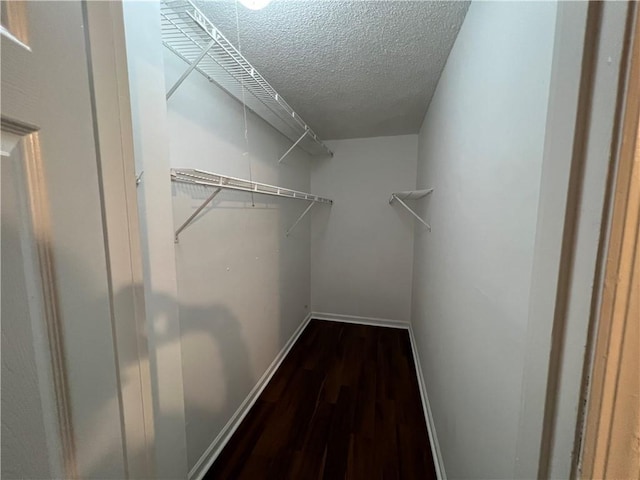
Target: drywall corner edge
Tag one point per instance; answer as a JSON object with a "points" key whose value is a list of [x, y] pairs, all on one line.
{"points": [[201, 467]]}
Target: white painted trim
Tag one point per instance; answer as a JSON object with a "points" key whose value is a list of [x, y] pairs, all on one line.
{"points": [[209, 456], [113, 132], [431, 427], [580, 152], [566, 78], [382, 322], [376, 322]]}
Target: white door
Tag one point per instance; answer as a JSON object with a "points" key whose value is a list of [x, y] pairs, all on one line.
{"points": [[73, 357]]}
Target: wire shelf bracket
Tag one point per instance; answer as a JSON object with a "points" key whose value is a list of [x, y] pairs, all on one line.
{"points": [[299, 219], [411, 195], [294, 145], [188, 221], [188, 33], [190, 69], [223, 182]]}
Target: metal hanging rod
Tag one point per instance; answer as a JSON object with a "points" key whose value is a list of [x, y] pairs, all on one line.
{"points": [[411, 195], [188, 33], [220, 182]]}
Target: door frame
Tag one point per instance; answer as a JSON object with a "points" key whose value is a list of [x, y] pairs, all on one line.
{"points": [[587, 92], [619, 290], [109, 83]]}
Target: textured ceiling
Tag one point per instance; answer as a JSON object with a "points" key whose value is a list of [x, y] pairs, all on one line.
{"points": [[350, 69]]}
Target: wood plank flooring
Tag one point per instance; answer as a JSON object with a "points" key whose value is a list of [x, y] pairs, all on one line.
{"points": [[344, 404]]}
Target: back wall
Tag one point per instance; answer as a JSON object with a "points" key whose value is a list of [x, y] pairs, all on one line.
{"points": [[362, 247]]}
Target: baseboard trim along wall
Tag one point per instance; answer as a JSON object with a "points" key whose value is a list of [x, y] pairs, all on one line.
{"points": [[431, 428], [376, 322], [209, 456]]}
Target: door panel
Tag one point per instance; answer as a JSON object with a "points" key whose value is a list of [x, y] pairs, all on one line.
{"points": [[29, 430], [57, 328]]}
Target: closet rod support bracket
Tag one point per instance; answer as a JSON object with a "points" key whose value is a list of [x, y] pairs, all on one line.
{"points": [[300, 218], [188, 221], [190, 69], [395, 197], [294, 145]]}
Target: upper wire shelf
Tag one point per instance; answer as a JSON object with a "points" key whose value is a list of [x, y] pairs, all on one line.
{"points": [[188, 33]]}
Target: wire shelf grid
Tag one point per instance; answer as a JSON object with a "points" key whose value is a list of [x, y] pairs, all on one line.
{"points": [[188, 33]]}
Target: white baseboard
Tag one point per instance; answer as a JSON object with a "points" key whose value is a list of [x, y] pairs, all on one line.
{"points": [[209, 456], [431, 428], [376, 322]]}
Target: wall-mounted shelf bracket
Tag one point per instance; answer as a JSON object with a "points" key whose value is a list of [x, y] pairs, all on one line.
{"points": [[411, 195], [191, 68], [294, 145], [300, 218], [188, 221]]}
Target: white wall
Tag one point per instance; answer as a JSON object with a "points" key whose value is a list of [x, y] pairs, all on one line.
{"points": [[362, 247], [481, 148], [151, 150], [243, 286]]}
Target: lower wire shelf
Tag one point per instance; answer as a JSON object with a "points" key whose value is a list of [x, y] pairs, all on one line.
{"points": [[223, 182]]}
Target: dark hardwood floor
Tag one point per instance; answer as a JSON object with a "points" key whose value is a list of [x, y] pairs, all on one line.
{"points": [[344, 404]]}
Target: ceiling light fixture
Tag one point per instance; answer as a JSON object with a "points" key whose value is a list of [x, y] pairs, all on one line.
{"points": [[255, 4]]}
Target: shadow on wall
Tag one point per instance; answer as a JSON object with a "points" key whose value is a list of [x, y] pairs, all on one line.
{"points": [[208, 323], [230, 371], [239, 255], [235, 255]]}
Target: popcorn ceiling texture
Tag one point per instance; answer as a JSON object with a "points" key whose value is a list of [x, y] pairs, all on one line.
{"points": [[350, 69]]}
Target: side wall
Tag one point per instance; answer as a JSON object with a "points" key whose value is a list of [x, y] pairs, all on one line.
{"points": [[243, 286], [362, 247], [481, 148], [151, 149]]}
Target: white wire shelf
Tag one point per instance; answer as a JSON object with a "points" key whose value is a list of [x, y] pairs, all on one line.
{"points": [[411, 195], [188, 33], [222, 182]]}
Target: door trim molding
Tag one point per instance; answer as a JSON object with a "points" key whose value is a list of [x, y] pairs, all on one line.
{"points": [[40, 247], [618, 290], [113, 133], [579, 157]]}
